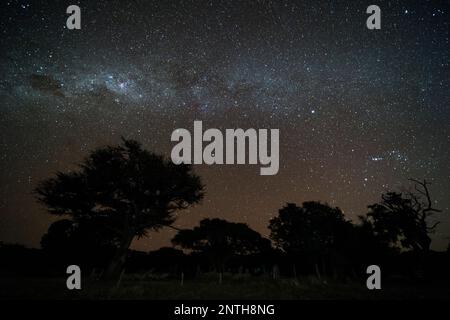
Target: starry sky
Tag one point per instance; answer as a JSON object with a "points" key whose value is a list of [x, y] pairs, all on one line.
{"points": [[359, 111]]}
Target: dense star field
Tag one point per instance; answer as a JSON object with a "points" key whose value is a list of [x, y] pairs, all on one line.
{"points": [[359, 111]]}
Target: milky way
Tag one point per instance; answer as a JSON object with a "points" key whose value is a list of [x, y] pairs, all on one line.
{"points": [[359, 111]]}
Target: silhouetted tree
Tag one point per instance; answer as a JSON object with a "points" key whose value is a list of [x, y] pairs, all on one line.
{"points": [[132, 190], [310, 232], [167, 259], [89, 245], [220, 240], [18, 260], [400, 219]]}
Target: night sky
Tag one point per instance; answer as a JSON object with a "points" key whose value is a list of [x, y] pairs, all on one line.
{"points": [[359, 111]]}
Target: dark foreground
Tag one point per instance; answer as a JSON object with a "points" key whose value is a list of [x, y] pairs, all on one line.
{"points": [[207, 287]]}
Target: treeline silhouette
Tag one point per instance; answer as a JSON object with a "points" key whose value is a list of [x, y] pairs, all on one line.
{"points": [[123, 192]]}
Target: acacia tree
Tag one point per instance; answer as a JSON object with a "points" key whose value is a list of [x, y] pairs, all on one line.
{"points": [[219, 240], [131, 190], [401, 220], [312, 231]]}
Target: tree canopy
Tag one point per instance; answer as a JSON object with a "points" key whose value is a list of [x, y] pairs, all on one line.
{"points": [[131, 190], [401, 220], [314, 227], [220, 239]]}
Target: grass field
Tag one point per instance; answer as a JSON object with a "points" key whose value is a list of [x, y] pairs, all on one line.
{"points": [[207, 287]]}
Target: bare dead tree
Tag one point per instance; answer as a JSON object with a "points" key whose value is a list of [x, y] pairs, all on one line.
{"points": [[425, 208], [402, 219], [422, 206]]}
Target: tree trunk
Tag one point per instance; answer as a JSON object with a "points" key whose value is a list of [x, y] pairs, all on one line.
{"points": [[117, 263], [317, 271]]}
